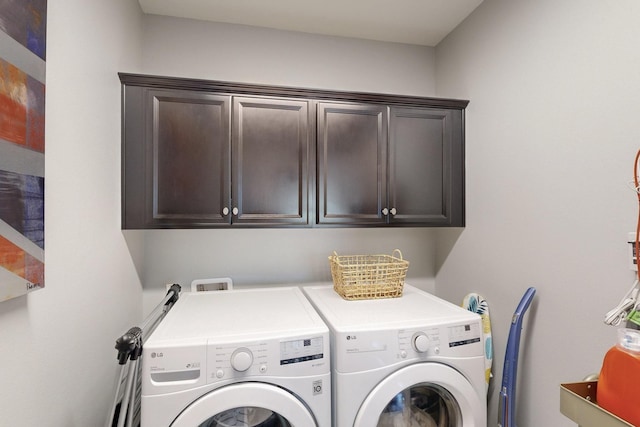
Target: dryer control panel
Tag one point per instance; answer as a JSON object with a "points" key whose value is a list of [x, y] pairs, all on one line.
{"points": [[363, 350], [454, 340]]}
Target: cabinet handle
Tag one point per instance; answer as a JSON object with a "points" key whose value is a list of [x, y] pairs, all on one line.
{"points": [[235, 211], [393, 211], [225, 211], [385, 211]]}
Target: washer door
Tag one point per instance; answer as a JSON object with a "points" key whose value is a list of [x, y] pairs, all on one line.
{"points": [[426, 395], [246, 404]]}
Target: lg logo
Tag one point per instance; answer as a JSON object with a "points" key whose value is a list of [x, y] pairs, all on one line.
{"points": [[351, 337]]}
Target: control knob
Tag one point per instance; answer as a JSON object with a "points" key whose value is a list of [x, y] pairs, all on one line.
{"points": [[241, 359], [421, 342]]}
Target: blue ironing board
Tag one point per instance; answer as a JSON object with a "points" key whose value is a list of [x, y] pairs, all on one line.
{"points": [[507, 402]]}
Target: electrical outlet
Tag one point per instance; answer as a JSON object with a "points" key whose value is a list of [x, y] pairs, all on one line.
{"points": [[217, 284], [633, 257]]}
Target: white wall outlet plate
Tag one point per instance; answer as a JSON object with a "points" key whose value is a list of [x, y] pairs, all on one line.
{"points": [[216, 284]]}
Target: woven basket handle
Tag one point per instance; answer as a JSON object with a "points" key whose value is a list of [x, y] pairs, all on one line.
{"points": [[399, 253]]}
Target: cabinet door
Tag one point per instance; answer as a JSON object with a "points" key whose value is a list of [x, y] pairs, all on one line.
{"points": [[271, 161], [352, 144], [185, 157], [426, 167]]}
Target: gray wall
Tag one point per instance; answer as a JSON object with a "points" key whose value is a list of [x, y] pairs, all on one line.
{"points": [[190, 48], [552, 131], [56, 352]]}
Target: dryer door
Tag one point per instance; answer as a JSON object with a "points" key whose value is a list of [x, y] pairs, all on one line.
{"points": [[426, 395], [246, 404]]}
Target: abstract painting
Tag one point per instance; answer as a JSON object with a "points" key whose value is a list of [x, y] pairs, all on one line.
{"points": [[22, 149]]}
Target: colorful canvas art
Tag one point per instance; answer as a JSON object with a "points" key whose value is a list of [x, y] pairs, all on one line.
{"points": [[22, 148]]}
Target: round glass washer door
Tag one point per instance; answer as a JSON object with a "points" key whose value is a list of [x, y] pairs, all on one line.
{"points": [[425, 395], [246, 405]]}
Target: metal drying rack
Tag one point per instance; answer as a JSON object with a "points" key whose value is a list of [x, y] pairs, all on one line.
{"points": [[125, 411]]}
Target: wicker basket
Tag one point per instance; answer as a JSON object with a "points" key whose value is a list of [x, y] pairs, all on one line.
{"points": [[357, 277]]}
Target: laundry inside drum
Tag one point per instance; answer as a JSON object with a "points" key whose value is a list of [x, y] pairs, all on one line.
{"points": [[248, 416], [421, 405]]}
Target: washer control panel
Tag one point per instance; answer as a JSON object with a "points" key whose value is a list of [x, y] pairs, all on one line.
{"points": [[263, 358]]}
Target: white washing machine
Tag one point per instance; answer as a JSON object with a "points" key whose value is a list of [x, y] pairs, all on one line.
{"points": [[253, 357], [411, 361]]}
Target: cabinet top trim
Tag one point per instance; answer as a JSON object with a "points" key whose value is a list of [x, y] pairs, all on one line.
{"points": [[283, 91]]}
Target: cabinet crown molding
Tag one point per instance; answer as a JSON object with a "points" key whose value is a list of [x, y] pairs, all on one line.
{"points": [[237, 88]]}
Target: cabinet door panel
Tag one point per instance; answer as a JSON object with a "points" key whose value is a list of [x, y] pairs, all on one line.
{"points": [[271, 159], [423, 156], [352, 142], [190, 143]]}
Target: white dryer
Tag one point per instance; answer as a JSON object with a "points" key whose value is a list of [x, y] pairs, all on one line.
{"points": [[254, 357], [411, 361]]}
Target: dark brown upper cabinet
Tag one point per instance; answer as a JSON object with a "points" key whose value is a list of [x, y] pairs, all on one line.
{"points": [[206, 154], [410, 174], [426, 167], [352, 163], [175, 158], [271, 161], [191, 161]]}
